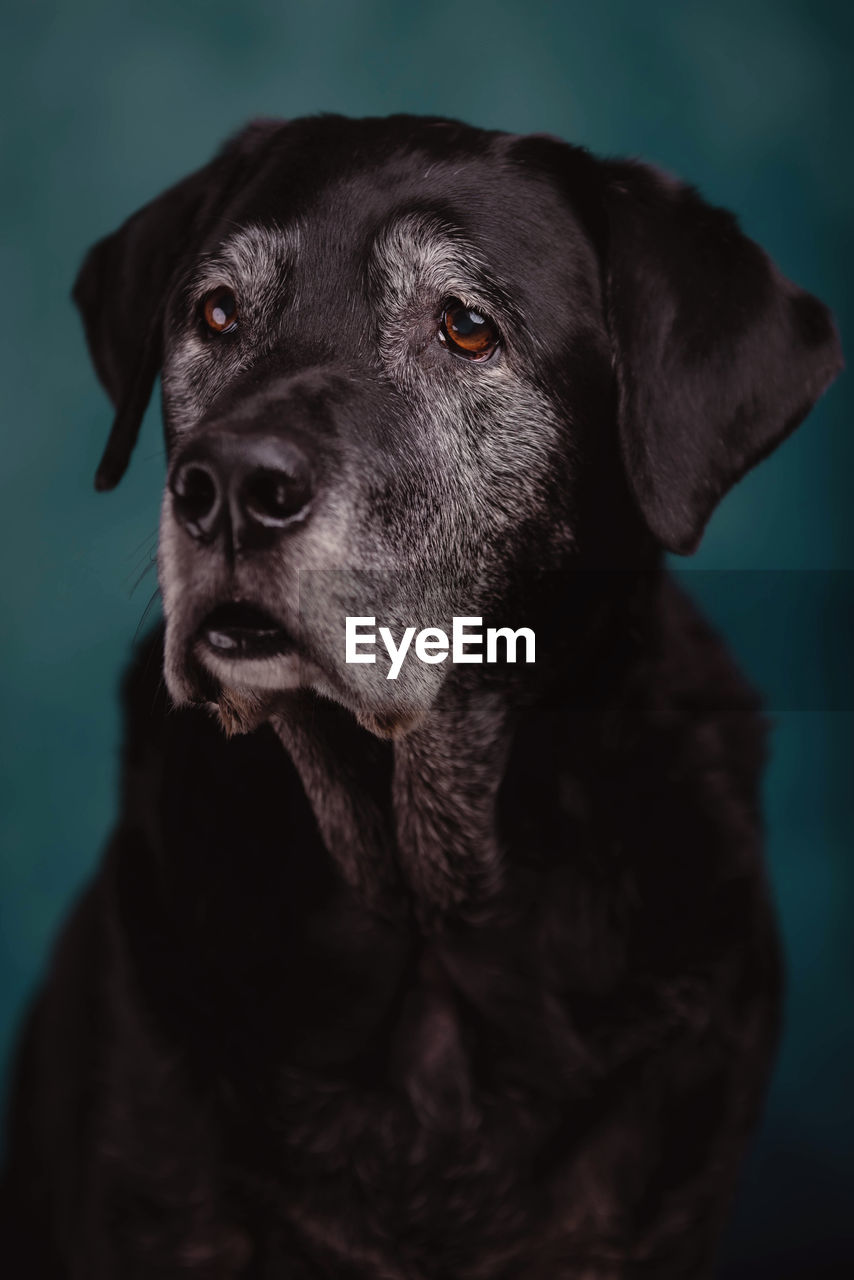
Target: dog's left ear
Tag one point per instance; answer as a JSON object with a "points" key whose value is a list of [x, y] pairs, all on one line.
{"points": [[718, 357], [122, 287]]}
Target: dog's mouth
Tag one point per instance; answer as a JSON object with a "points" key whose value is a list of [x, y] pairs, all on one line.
{"points": [[239, 631]]}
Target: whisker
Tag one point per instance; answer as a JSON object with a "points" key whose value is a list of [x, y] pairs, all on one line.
{"points": [[138, 570], [155, 593], [151, 565], [148, 537]]}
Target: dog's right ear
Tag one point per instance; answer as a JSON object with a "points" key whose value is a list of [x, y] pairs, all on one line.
{"points": [[122, 287], [717, 356]]}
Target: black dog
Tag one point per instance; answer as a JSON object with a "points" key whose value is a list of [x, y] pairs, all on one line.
{"points": [[467, 973]]}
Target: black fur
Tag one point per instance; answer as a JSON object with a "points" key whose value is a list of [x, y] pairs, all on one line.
{"points": [[512, 1012]]}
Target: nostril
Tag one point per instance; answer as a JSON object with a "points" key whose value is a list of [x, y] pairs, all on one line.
{"points": [[272, 498], [195, 496], [195, 488]]}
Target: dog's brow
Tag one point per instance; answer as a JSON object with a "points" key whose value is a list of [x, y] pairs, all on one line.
{"points": [[252, 255], [419, 250]]}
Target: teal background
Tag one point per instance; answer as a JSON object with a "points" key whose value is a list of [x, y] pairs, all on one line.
{"points": [[104, 103]]}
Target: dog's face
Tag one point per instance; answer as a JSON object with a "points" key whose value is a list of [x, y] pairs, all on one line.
{"points": [[402, 363], [362, 386]]}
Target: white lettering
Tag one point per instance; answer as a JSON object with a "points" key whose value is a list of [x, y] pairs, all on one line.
{"points": [[462, 637], [425, 645], [511, 637], [396, 654], [432, 645], [353, 639]]}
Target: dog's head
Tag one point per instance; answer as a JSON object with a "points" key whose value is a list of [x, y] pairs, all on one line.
{"points": [[409, 367]]}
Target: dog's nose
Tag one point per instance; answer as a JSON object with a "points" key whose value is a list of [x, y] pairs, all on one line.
{"points": [[249, 487], [196, 497]]}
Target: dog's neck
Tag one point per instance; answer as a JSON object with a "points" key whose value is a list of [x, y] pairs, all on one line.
{"points": [[417, 814]]}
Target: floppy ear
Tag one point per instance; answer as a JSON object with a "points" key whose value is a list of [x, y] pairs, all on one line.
{"points": [[122, 287], [718, 356]]}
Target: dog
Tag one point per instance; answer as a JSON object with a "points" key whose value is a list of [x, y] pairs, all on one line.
{"points": [[465, 970]]}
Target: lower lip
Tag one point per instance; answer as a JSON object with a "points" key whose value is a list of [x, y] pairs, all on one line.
{"points": [[274, 670], [239, 644]]}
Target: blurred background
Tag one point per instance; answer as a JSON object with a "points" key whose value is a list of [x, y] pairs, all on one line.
{"points": [[107, 102]]}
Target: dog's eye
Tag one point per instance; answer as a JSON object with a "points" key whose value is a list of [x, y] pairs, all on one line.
{"points": [[467, 332], [219, 310]]}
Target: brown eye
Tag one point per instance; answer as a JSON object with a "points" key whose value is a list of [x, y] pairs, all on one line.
{"points": [[467, 332], [220, 310]]}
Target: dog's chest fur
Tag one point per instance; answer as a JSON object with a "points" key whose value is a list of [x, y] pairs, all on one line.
{"points": [[536, 1073]]}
